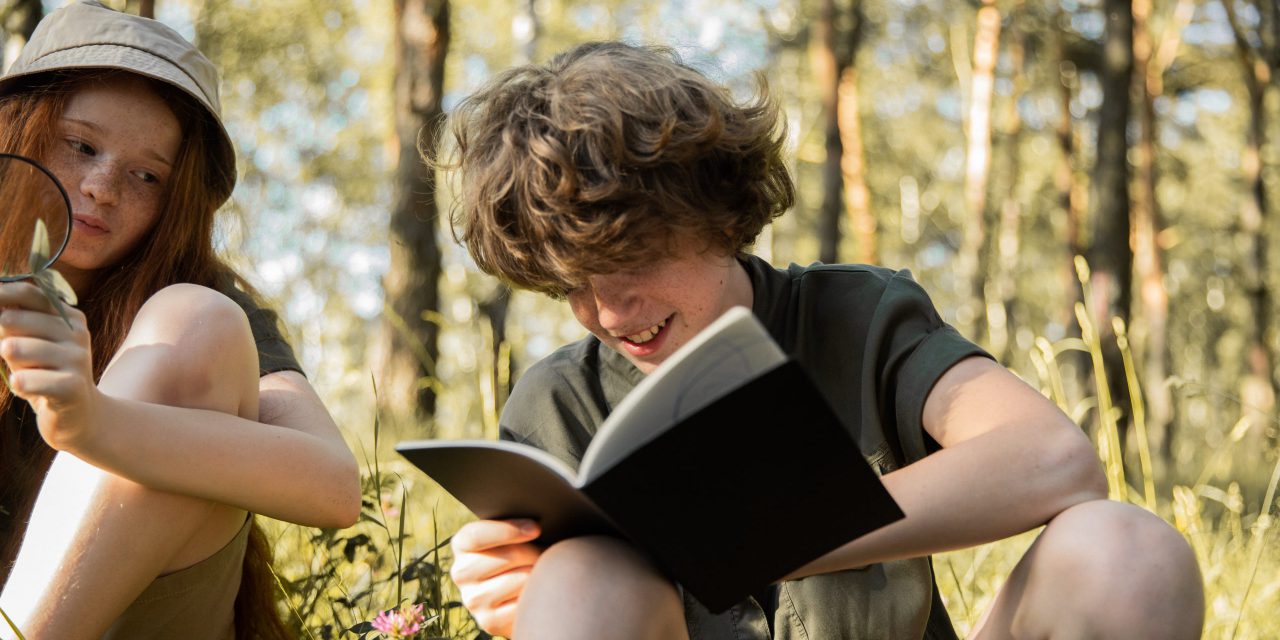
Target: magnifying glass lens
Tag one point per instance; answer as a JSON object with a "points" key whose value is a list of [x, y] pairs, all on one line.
{"points": [[29, 193]]}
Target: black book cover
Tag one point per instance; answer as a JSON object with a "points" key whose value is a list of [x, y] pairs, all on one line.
{"points": [[746, 490]]}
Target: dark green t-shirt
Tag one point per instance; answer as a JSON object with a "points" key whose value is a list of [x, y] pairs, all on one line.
{"points": [[875, 346], [20, 441]]}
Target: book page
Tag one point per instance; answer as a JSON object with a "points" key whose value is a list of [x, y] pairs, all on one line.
{"points": [[731, 351]]}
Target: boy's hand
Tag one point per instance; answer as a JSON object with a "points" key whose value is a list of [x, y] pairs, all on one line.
{"points": [[49, 361], [492, 562]]}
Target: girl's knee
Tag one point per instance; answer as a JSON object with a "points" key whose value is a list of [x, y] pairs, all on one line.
{"points": [[189, 346]]}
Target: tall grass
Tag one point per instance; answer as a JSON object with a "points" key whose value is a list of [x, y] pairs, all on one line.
{"points": [[337, 582], [1233, 540]]}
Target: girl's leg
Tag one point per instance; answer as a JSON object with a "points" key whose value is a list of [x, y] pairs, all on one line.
{"points": [[598, 587], [97, 540], [1101, 569]]}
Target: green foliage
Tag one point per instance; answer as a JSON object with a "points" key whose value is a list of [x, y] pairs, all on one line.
{"points": [[336, 582]]}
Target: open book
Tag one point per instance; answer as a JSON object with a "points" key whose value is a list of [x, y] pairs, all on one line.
{"points": [[725, 465]]}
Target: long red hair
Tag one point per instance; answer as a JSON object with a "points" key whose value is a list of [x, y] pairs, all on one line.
{"points": [[179, 248]]}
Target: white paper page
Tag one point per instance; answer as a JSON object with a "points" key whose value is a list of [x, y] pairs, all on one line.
{"points": [[730, 351]]}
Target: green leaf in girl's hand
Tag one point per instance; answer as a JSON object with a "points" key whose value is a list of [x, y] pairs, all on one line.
{"points": [[40, 250], [51, 283]]}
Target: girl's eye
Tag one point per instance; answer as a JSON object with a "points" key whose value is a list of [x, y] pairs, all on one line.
{"points": [[147, 177], [81, 147]]}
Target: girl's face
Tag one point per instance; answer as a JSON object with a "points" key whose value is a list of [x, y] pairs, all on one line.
{"points": [[114, 151], [646, 314]]}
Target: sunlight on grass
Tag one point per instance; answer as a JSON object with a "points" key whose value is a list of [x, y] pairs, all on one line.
{"points": [[338, 581]]}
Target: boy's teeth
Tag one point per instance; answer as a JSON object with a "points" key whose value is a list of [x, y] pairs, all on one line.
{"points": [[647, 334]]}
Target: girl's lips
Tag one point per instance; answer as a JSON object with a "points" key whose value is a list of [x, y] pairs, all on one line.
{"points": [[89, 226]]}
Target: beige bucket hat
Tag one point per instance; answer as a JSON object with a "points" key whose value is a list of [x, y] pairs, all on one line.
{"points": [[87, 35]]}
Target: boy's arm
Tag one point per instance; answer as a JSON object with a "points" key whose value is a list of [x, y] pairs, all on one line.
{"points": [[1010, 462]]}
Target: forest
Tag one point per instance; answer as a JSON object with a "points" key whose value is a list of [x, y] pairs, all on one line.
{"points": [[1086, 188]]}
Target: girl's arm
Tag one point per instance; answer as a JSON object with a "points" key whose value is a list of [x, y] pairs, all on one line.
{"points": [[1010, 462], [293, 465]]}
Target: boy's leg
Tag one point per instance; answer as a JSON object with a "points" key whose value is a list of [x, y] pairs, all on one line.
{"points": [[1101, 569], [188, 347], [598, 587]]}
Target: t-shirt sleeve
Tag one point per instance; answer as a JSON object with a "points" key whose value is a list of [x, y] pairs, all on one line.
{"points": [[914, 347], [274, 352], [546, 410]]}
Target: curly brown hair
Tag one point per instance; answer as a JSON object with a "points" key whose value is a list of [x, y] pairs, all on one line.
{"points": [[590, 163]]}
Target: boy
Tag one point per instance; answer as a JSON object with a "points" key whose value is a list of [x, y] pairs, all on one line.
{"points": [[628, 183]]}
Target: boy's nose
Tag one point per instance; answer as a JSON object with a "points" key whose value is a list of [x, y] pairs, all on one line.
{"points": [[616, 301]]}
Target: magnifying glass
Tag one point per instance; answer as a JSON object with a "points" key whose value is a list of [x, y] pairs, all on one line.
{"points": [[30, 193]]}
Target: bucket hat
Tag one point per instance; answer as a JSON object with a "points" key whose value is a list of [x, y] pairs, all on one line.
{"points": [[87, 35]]}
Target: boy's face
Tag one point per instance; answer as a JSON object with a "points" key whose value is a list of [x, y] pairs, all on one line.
{"points": [[646, 314]]}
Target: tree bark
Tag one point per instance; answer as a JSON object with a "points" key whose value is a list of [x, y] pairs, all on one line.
{"points": [[144, 8], [1110, 254], [1149, 333], [1068, 187], [18, 19], [853, 165], [1259, 66], [411, 284], [973, 264], [827, 68], [1002, 293]]}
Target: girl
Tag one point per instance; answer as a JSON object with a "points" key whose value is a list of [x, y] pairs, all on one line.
{"points": [[137, 443]]}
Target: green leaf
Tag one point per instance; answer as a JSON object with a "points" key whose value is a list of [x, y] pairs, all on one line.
{"points": [[40, 250], [63, 287], [12, 626], [45, 282]]}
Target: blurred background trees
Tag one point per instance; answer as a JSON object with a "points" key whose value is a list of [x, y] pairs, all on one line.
{"points": [[983, 145]]}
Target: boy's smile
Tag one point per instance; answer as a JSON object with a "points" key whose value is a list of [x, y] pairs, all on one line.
{"points": [[647, 314]]}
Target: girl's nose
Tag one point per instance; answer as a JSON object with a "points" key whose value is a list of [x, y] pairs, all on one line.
{"points": [[102, 183]]}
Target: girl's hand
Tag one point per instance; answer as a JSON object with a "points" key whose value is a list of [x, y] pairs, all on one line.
{"points": [[492, 560], [50, 364]]}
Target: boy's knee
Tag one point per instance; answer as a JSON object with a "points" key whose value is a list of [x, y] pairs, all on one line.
{"points": [[606, 577], [1130, 568]]}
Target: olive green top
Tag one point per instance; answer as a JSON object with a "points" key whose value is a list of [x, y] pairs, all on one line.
{"points": [[875, 346], [18, 430]]}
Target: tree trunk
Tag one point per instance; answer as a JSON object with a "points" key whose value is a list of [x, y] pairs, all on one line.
{"points": [[1110, 254], [973, 267], [1259, 67], [411, 283], [18, 19], [853, 165], [826, 70], [1069, 189], [144, 8], [1003, 292], [1150, 328]]}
